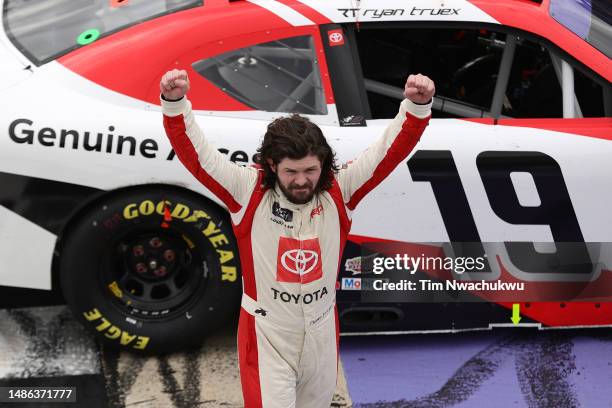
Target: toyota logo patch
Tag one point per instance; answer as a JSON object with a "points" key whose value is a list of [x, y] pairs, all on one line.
{"points": [[335, 37], [298, 261]]}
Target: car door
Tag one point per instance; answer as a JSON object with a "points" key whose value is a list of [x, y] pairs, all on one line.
{"points": [[499, 164]]}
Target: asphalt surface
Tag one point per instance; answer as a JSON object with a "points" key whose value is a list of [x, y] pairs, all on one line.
{"points": [[513, 368], [44, 346]]}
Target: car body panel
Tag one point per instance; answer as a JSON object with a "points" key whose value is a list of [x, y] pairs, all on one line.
{"points": [[110, 87]]}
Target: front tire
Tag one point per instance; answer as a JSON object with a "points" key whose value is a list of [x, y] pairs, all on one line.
{"points": [[151, 269]]}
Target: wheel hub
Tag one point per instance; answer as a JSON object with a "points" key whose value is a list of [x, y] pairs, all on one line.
{"points": [[155, 270], [152, 258]]}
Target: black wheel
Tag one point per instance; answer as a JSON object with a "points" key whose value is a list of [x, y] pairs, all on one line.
{"points": [[151, 268]]}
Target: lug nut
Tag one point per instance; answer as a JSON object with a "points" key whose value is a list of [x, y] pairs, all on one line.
{"points": [[138, 250], [161, 271], [141, 268], [169, 255], [155, 242]]}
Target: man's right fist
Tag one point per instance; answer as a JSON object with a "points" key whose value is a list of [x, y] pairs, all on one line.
{"points": [[174, 84]]}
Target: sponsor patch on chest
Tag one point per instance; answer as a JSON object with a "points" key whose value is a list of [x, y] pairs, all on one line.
{"points": [[298, 261], [282, 213]]}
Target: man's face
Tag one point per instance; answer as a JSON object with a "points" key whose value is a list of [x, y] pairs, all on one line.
{"points": [[298, 178]]}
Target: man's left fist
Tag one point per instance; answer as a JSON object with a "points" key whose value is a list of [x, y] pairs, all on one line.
{"points": [[419, 88]]}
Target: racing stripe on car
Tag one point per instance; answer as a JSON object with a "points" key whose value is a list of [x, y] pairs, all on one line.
{"points": [[598, 128], [307, 11], [578, 313], [592, 127], [283, 11]]}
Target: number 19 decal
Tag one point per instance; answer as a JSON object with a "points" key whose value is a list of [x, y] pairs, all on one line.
{"points": [[495, 168]]}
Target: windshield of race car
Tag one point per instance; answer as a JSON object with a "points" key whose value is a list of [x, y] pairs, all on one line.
{"points": [[46, 29], [591, 20]]}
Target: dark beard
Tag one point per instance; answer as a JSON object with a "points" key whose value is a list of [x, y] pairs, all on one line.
{"points": [[294, 199]]}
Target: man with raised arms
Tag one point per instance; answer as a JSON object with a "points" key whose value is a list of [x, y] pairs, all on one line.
{"points": [[291, 215]]}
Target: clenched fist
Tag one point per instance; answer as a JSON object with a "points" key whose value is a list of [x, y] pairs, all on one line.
{"points": [[419, 88], [174, 84]]}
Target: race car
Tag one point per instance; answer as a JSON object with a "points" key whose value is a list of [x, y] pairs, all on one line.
{"points": [[513, 169]]}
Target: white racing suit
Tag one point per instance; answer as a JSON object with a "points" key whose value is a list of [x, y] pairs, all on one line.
{"points": [[290, 255]]}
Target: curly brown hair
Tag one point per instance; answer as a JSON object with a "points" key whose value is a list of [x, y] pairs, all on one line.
{"points": [[295, 137]]}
